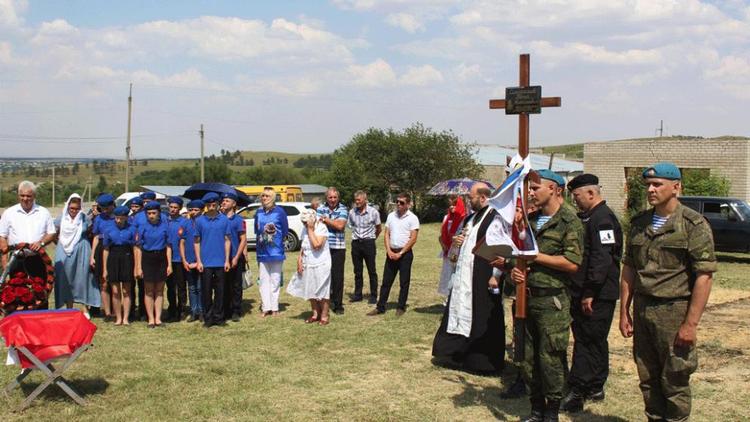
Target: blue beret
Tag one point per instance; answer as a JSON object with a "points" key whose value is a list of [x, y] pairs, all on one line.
{"points": [[175, 200], [148, 195], [210, 197], [137, 201], [663, 170], [105, 200], [153, 205], [196, 203], [551, 175], [122, 211], [230, 195]]}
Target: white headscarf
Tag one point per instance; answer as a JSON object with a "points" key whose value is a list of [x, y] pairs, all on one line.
{"points": [[70, 228]]}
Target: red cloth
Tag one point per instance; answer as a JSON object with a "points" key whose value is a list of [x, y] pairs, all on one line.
{"points": [[47, 334], [450, 223]]}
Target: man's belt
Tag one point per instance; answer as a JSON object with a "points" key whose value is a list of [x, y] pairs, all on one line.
{"points": [[654, 300], [543, 291]]}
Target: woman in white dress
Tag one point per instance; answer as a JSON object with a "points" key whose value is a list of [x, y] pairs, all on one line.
{"points": [[313, 278]]}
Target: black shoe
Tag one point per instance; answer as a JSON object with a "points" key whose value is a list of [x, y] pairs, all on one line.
{"points": [[552, 411], [356, 298], [339, 311], [516, 390], [535, 416], [573, 402], [597, 395], [143, 318], [235, 317], [373, 299], [207, 324], [192, 318], [537, 410]]}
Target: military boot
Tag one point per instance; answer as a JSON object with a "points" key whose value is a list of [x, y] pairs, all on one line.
{"points": [[537, 410], [596, 395], [573, 402], [552, 411]]}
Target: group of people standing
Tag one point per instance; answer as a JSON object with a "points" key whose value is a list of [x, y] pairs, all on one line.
{"points": [[320, 269], [573, 284]]}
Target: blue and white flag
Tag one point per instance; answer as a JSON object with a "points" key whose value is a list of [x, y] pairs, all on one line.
{"points": [[505, 201]]}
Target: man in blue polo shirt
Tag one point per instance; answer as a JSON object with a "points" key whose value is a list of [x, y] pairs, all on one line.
{"points": [[212, 247], [106, 205], [238, 243], [335, 215], [176, 287]]}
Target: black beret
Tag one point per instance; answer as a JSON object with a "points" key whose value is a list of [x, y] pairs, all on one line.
{"points": [[584, 179]]}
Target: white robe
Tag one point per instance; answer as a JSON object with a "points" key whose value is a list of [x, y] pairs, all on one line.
{"points": [[461, 303]]}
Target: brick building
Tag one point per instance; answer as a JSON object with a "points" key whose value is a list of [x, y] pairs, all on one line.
{"points": [[614, 161]]}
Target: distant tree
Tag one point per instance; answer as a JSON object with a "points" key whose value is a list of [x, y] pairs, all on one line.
{"points": [[385, 161], [76, 168], [102, 185], [251, 162]]}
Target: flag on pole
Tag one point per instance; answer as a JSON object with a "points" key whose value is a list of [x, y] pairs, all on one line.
{"points": [[511, 225]]}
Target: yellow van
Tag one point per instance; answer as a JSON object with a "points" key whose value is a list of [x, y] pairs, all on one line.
{"points": [[284, 193]]}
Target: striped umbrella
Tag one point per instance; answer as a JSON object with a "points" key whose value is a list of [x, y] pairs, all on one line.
{"points": [[456, 187]]}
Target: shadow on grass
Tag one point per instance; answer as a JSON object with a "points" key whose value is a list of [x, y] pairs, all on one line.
{"points": [[84, 387], [437, 309], [248, 305], [734, 258], [587, 416], [489, 397]]}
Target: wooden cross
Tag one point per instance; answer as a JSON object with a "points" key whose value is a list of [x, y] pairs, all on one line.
{"points": [[523, 100], [531, 102]]}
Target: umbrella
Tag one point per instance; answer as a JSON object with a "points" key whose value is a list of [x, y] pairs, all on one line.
{"points": [[456, 187], [199, 189]]}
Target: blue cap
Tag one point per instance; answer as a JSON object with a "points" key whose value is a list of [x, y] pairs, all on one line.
{"points": [[551, 175], [153, 205], [210, 197], [105, 200], [196, 203], [175, 200], [122, 211], [230, 195], [662, 170], [148, 195], [137, 201]]}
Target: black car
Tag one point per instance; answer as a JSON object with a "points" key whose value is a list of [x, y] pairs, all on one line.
{"points": [[729, 219]]}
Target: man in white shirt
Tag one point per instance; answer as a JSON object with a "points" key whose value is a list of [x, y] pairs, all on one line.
{"points": [[401, 229], [25, 222]]}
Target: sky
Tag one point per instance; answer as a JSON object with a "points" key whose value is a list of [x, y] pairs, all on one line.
{"points": [[305, 76]]}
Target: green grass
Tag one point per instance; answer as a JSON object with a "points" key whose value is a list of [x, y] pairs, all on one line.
{"points": [[356, 368]]}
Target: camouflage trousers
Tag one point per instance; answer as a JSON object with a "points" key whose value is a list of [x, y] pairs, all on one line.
{"points": [[663, 369], [547, 334]]}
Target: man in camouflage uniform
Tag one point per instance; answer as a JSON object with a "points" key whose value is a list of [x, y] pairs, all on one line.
{"points": [[559, 236], [667, 273]]}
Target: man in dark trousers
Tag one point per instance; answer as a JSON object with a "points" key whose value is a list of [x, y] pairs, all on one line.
{"points": [[594, 293]]}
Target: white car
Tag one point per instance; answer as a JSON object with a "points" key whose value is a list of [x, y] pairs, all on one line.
{"points": [[293, 211]]}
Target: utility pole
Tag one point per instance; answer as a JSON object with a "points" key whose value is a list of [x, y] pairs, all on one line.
{"points": [[660, 129], [127, 147], [203, 164], [53, 186]]}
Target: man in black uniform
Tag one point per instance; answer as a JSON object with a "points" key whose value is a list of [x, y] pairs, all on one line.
{"points": [[595, 291]]}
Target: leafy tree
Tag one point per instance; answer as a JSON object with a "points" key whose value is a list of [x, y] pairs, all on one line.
{"points": [[413, 160], [697, 183]]}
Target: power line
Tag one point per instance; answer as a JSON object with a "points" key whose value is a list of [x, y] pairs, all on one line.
{"points": [[12, 137]]}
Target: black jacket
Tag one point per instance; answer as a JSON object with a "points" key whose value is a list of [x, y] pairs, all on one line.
{"points": [[598, 275]]}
